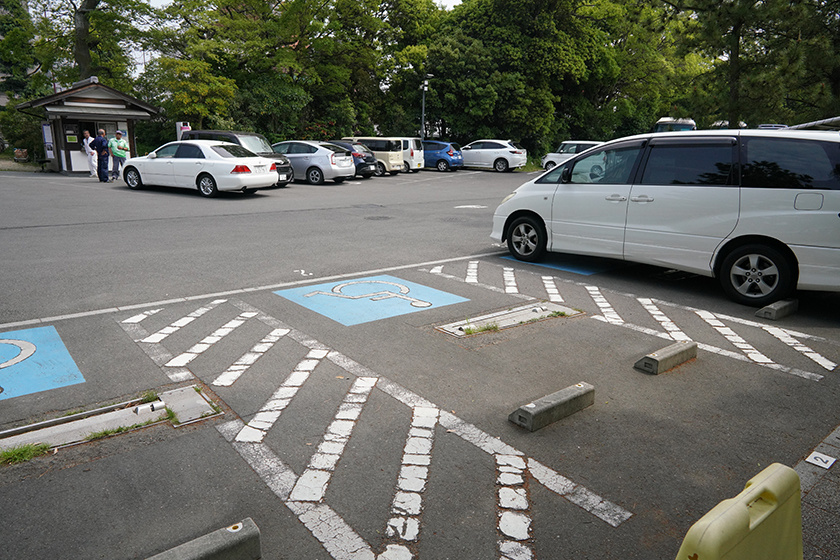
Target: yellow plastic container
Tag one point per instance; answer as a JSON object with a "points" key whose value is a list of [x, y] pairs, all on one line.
{"points": [[763, 522]]}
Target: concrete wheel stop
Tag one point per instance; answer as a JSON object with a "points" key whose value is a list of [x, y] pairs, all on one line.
{"points": [[240, 541], [778, 309], [546, 410], [668, 357], [186, 405]]}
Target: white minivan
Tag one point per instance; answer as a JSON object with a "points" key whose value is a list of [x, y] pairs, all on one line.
{"points": [[757, 209], [413, 159]]}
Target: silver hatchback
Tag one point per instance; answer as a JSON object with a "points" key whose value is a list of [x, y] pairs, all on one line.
{"points": [[317, 162]]}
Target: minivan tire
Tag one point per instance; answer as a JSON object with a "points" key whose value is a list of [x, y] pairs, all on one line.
{"points": [[756, 275], [526, 239]]}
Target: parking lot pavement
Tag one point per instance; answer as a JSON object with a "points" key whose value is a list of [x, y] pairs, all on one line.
{"points": [[389, 439]]}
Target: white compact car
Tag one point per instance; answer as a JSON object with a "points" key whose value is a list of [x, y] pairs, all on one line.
{"points": [[207, 165], [567, 150], [757, 209], [501, 155]]}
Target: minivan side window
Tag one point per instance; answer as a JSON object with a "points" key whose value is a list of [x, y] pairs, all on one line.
{"points": [[613, 165], [689, 163], [788, 163]]}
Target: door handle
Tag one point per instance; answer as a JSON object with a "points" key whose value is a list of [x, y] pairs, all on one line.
{"points": [[616, 198], [643, 198]]}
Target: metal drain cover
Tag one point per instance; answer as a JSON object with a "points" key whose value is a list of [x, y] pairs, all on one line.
{"points": [[509, 318]]}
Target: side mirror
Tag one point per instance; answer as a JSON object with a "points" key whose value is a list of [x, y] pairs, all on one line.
{"points": [[566, 175], [152, 155]]}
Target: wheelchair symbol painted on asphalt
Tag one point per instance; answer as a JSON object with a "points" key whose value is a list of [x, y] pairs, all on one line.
{"points": [[374, 296], [35, 360], [368, 299]]}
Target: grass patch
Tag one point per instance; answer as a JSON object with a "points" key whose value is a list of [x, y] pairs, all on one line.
{"points": [[172, 417], [489, 327], [119, 430], [148, 396], [22, 453]]}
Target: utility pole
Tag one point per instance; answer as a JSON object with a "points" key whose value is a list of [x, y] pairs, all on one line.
{"points": [[425, 88]]}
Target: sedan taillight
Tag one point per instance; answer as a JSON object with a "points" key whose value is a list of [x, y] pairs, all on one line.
{"points": [[241, 169], [332, 159], [358, 155], [273, 167]]}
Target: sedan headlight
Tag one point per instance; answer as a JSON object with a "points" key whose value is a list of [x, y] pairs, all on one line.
{"points": [[508, 197]]}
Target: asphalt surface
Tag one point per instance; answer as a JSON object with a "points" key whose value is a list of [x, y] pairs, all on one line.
{"points": [[624, 478]]}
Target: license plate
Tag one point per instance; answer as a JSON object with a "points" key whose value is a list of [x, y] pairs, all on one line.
{"points": [[281, 177], [260, 168]]}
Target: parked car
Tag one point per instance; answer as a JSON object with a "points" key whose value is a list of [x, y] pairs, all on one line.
{"points": [[363, 158], [317, 161], [253, 142], [756, 209], [412, 154], [501, 155], [207, 165], [670, 124], [442, 156], [388, 152], [567, 150]]}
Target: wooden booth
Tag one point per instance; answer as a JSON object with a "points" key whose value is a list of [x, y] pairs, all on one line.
{"points": [[87, 105]]}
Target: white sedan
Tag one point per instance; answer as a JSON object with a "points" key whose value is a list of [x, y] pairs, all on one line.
{"points": [[207, 165]]}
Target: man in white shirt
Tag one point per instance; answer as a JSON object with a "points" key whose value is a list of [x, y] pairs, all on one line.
{"points": [[91, 153]]}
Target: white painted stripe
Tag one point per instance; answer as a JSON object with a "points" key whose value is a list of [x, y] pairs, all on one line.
{"points": [[551, 289], [472, 272], [259, 425], [785, 337], [514, 504], [486, 286], [510, 281], [160, 335], [670, 327], [313, 483], [437, 269], [137, 318], [340, 540], [734, 338], [240, 366], [604, 305], [721, 352], [209, 341]]}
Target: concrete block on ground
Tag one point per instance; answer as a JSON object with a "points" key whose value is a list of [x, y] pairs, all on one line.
{"points": [[548, 409], [667, 358], [240, 541], [778, 309]]}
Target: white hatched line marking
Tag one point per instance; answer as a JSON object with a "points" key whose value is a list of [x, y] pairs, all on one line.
{"points": [[721, 352], [312, 484], [604, 305], [437, 269], [785, 337], [734, 338], [137, 318], [551, 289], [240, 366], [510, 281], [266, 417], [670, 327], [514, 505], [209, 341], [414, 472], [182, 322], [472, 273], [485, 286]]}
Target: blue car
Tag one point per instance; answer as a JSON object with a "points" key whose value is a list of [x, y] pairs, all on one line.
{"points": [[442, 156]]}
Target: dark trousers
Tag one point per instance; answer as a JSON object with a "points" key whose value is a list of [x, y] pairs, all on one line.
{"points": [[102, 168]]}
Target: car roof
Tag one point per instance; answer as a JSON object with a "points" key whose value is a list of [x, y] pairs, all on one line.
{"points": [[738, 132]]}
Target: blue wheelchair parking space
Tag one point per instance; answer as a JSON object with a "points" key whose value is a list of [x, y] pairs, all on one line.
{"points": [[576, 264], [352, 302], [35, 360]]}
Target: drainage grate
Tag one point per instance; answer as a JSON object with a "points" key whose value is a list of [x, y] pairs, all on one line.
{"points": [[509, 318]]}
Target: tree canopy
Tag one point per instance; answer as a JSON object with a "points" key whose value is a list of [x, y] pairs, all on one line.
{"points": [[535, 71]]}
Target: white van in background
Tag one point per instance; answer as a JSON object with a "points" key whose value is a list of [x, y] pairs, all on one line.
{"points": [[412, 154]]}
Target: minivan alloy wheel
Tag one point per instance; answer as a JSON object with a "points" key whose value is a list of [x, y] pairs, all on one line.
{"points": [[526, 239], [756, 275]]}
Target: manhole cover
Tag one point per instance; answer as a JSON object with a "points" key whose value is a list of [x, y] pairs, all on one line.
{"points": [[509, 318]]}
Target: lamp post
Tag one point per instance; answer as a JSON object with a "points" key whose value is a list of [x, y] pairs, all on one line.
{"points": [[425, 88]]}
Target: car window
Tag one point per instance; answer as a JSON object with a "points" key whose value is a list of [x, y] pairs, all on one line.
{"points": [[232, 150], [786, 163], [476, 145], [567, 148], [189, 151], [612, 166], [280, 148], [516, 145], [707, 163], [256, 144], [333, 148], [405, 144], [455, 147], [167, 151], [417, 144], [493, 146], [554, 175]]}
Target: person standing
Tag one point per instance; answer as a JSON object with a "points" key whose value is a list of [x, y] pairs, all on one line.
{"points": [[100, 146], [118, 147], [89, 152]]}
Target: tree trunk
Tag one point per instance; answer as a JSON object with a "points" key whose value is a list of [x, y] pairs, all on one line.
{"points": [[81, 44]]}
